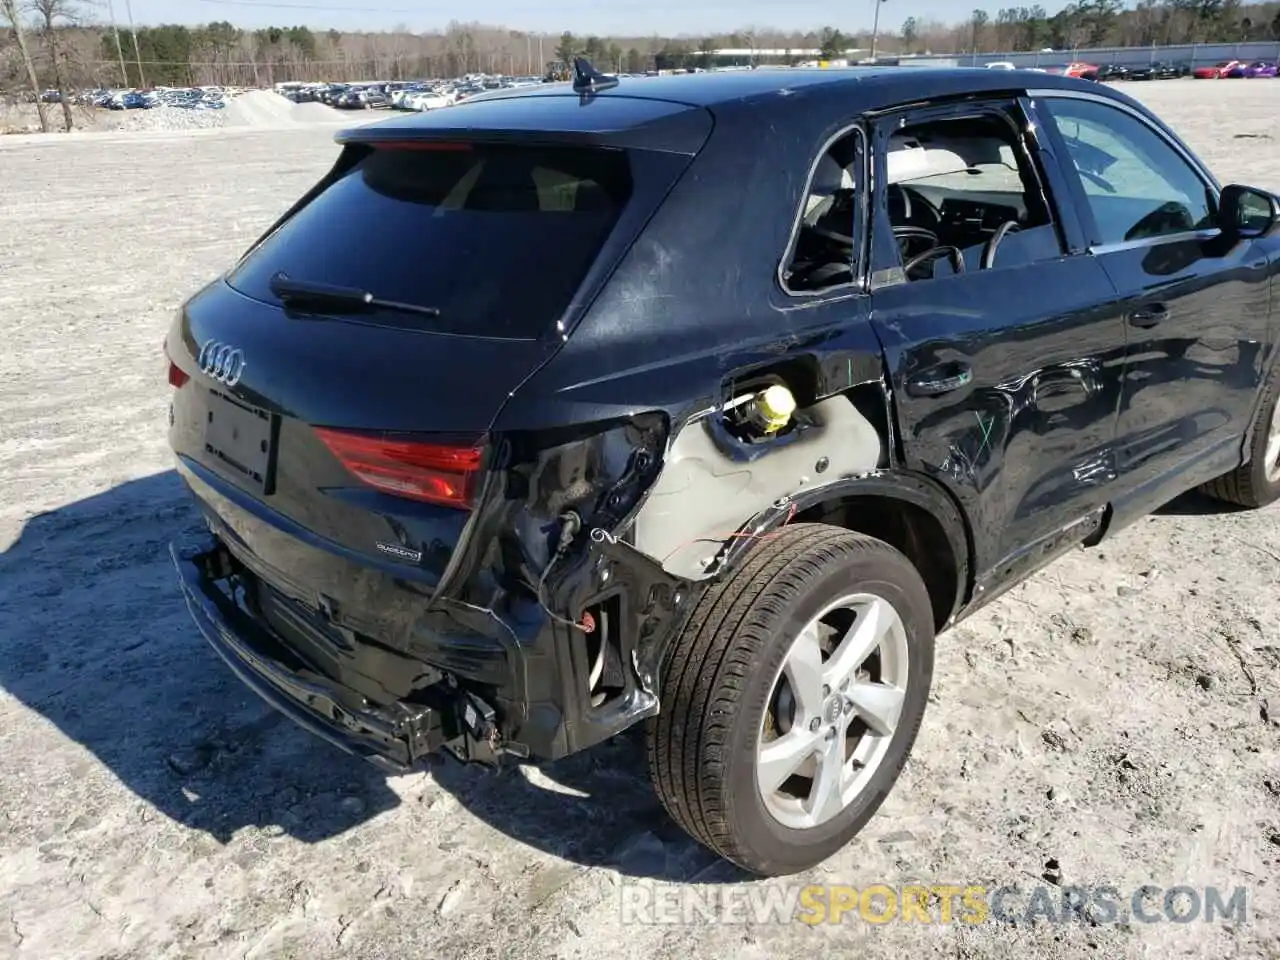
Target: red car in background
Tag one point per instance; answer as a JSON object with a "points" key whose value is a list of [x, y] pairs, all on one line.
{"points": [[1079, 69], [1217, 71]]}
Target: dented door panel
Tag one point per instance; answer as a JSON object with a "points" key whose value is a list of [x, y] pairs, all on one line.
{"points": [[1026, 444]]}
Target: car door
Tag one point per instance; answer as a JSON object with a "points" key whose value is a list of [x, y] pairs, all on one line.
{"points": [[1006, 376], [1197, 304]]}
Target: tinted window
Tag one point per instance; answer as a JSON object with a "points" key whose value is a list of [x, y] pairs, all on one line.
{"points": [[1137, 184], [497, 237]]}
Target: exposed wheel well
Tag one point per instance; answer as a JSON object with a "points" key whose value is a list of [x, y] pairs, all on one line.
{"points": [[913, 530]]}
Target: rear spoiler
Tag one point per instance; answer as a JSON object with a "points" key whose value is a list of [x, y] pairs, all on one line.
{"points": [[555, 117]]}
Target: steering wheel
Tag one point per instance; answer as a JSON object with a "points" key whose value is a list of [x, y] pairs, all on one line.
{"points": [[954, 254], [915, 203], [909, 236], [989, 251], [1093, 177]]}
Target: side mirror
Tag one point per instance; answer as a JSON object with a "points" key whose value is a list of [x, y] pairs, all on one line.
{"points": [[1248, 211]]}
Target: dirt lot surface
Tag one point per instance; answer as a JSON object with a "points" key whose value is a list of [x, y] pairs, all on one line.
{"points": [[257, 109], [1113, 721]]}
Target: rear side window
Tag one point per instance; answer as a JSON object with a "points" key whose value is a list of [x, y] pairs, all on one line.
{"points": [[497, 237]]}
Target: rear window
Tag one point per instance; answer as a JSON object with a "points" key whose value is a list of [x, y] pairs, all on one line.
{"points": [[497, 237]]}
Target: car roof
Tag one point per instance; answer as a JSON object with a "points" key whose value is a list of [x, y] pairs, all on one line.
{"points": [[633, 104], [717, 88]]}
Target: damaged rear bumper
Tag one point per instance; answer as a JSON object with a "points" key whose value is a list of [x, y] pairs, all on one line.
{"points": [[266, 666], [543, 693]]}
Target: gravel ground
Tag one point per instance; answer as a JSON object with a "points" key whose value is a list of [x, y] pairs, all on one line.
{"points": [[23, 118], [259, 109], [1114, 720]]}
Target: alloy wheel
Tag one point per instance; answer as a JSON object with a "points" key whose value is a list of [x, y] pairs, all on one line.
{"points": [[1272, 456], [833, 709]]}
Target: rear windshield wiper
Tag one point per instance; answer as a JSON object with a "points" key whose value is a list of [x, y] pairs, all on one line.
{"points": [[307, 291]]}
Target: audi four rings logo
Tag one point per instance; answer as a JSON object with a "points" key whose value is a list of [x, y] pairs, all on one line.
{"points": [[222, 361]]}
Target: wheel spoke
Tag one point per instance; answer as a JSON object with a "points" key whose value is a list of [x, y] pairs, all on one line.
{"points": [[879, 705], [781, 758], [807, 774], [1272, 457], [826, 796], [861, 640], [803, 671]]}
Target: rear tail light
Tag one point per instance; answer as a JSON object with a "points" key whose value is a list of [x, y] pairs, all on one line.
{"points": [[177, 376], [430, 472], [427, 146]]}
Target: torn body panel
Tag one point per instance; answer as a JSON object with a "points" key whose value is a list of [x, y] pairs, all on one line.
{"points": [[713, 484]]}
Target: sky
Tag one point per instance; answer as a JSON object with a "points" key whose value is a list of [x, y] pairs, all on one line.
{"points": [[617, 17]]}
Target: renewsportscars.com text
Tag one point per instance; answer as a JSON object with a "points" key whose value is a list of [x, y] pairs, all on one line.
{"points": [[818, 904]]}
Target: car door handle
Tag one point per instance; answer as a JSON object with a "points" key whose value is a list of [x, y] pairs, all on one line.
{"points": [[1149, 315], [939, 380]]}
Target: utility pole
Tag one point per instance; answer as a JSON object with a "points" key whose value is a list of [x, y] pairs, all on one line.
{"points": [[115, 30], [875, 28], [137, 50]]}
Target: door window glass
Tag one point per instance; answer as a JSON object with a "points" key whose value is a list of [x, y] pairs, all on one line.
{"points": [[1137, 185]]}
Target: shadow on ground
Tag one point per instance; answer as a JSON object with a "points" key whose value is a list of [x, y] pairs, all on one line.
{"points": [[97, 640], [596, 808], [1196, 504]]}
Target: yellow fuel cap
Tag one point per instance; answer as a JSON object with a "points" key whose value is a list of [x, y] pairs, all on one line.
{"points": [[776, 405]]}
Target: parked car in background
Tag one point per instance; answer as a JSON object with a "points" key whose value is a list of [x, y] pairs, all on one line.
{"points": [[1217, 71], [1261, 68], [332, 93], [1108, 73], [1077, 69], [429, 100], [505, 506], [1157, 71], [362, 98], [402, 92], [1001, 65], [131, 100]]}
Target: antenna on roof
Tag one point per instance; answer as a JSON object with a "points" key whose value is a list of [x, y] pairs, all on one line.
{"points": [[587, 79]]}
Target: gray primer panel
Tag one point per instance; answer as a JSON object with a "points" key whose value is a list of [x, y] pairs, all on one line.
{"points": [[703, 497]]}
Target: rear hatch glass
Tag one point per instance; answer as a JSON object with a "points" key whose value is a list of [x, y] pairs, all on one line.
{"points": [[496, 237]]}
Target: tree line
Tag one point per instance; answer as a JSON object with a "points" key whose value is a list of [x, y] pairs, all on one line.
{"points": [[1098, 23], [63, 45]]}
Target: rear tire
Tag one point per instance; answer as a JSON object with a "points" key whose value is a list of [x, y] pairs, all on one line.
{"points": [[1257, 482], [732, 722]]}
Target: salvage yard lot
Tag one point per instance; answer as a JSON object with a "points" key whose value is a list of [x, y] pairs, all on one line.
{"points": [[1118, 715]]}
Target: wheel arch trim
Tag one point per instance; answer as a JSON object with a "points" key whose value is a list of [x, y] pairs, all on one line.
{"points": [[904, 486]]}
